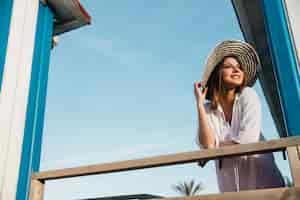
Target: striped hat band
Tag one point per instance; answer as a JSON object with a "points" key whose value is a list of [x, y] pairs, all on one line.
{"points": [[243, 51]]}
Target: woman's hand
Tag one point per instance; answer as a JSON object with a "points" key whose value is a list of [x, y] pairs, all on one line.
{"points": [[206, 135], [199, 94]]}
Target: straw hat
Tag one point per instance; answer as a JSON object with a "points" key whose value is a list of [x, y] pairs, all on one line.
{"points": [[244, 52]]}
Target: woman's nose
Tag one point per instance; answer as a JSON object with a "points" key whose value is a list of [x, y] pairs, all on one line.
{"points": [[236, 68]]}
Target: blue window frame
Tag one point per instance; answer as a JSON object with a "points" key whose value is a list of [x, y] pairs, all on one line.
{"points": [[285, 63], [5, 16], [32, 143]]}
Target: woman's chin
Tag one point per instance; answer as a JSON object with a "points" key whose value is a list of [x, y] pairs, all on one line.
{"points": [[233, 85]]}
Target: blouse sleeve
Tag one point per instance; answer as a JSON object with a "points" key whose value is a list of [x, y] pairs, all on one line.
{"points": [[211, 125], [250, 121]]}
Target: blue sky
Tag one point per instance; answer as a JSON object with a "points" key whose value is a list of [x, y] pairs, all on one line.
{"points": [[122, 89]]}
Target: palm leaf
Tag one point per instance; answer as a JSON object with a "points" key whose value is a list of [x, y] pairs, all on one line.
{"points": [[188, 188]]}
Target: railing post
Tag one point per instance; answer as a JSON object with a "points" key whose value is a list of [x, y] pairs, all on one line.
{"points": [[293, 154], [36, 190]]}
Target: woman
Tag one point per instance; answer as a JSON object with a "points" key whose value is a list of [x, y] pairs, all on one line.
{"points": [[232, 115]]}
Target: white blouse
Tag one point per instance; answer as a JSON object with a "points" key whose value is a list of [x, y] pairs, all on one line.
{"points": [[243, 172]]}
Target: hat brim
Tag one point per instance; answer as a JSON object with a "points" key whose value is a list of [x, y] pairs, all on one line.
{"points": [[243, 51]]}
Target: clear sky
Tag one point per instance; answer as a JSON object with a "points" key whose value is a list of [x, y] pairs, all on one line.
{"points": [[122, 89]]}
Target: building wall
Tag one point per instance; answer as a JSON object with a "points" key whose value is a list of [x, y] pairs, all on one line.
{"points": [[25, 43], [15, 92], [33, 132]]}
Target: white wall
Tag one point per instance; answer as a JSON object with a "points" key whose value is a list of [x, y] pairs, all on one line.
{"points": [[14, 93], [293, 12]]}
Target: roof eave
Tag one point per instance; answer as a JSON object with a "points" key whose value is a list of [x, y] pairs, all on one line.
{"points": [[68, 15]]}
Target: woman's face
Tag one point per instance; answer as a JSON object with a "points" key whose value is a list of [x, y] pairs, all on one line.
{"points": [[231, 73]]}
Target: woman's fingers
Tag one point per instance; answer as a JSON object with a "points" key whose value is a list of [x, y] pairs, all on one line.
{"points": [[197, 85], [200, 92], [197, 89], [205, 91]]}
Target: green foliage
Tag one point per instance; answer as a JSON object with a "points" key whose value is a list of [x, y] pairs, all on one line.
{"points": [[188, 188]]}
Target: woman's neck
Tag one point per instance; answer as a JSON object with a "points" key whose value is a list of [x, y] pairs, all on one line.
{"points": [[227, 98], [226, 102]]}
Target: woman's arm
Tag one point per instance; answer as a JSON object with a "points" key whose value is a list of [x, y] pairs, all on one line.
{"points": [[206, 136]]}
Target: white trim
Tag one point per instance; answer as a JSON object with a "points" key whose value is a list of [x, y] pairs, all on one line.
{"points": [[14, 92]]}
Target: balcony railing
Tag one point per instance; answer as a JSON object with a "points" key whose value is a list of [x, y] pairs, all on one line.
{"points": [[290, 144]]}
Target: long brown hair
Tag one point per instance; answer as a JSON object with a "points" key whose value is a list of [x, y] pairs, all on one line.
{"points": [[215, 85]]}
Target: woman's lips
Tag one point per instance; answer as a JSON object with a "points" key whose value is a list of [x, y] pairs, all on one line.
{"points": [[235, 76]]}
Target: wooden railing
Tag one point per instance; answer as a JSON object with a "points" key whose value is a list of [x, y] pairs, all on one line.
{"points": [[290, 144]]}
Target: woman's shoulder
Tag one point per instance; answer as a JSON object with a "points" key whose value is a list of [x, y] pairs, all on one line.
{"points": [[248, 94]]}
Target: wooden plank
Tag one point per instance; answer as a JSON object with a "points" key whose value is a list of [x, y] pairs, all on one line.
{"points": [[265, 194], [293, 154], [180, 158], [134, 196], [36, 190]]}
